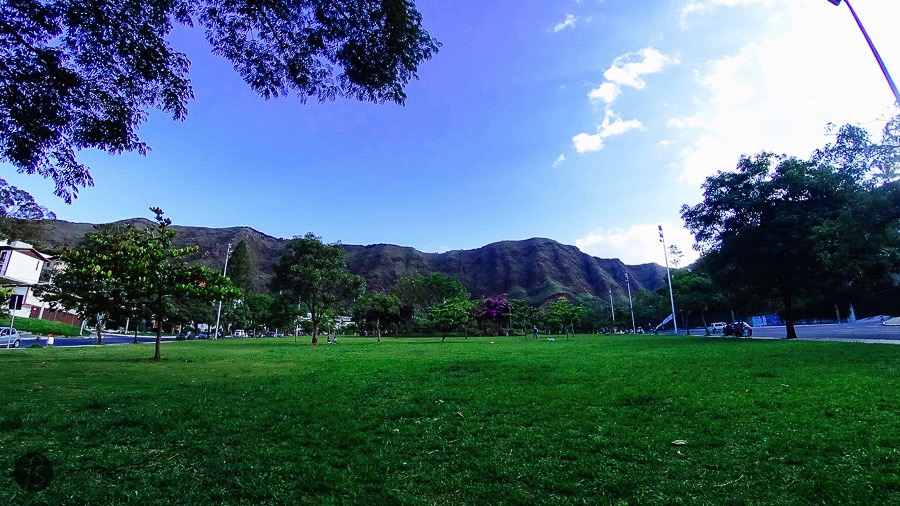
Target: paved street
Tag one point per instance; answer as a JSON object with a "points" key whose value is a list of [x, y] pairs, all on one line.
{"points": [[28, 339], [868, 330]]}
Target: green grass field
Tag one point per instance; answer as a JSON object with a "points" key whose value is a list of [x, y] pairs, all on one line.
{"points": [[477, 421], [42, 327]]}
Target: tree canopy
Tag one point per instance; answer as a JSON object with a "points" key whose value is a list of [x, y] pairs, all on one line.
{"points": [[240, 267], [16, 205], [380, 309], [78, 75], [451, 314], [315, 274], [123, 268], [562, 314], [495, 309], [424, 292], [779, 227]]}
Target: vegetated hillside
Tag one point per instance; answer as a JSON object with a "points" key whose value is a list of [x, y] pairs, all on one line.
{"points": [[535, 270]]}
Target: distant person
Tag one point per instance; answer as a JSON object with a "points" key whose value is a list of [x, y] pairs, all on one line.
{"points": [[534, 332]]}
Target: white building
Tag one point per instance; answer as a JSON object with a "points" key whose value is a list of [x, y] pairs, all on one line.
{"points": [[20, 268]]}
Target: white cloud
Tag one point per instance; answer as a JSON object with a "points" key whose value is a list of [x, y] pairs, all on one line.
{"points": [[706, 7], [559, 161], [639, 244], [618, 126], [612, 125], [778, 93], [569, 22], [606, 92], [587, 143], [626, 70]]}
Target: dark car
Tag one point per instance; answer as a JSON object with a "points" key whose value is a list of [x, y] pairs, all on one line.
{"points": [[739, 329]]}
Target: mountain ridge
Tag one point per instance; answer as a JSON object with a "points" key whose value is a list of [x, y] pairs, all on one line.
{"points": [[536, 269]]}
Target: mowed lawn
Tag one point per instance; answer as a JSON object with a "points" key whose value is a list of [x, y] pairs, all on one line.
{"points": [[594, 420]]}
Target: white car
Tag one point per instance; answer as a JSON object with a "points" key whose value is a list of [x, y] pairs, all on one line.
{"points": [[9, 338], [717, 328]]}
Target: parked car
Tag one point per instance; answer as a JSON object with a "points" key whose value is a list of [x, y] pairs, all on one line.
{"points": [[240, 333], [739, 329], [717, 328], [181, 336], [9, 338]]}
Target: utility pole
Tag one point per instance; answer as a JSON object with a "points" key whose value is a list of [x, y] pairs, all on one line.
{"points": [[219, 311], [630, 304], [884, 69], [662, 239], [612, 308]]}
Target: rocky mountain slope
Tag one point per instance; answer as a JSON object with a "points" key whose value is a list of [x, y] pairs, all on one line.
{"points": [[534, 269]]}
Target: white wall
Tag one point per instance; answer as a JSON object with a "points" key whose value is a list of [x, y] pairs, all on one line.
{"points": [[22, 267]]}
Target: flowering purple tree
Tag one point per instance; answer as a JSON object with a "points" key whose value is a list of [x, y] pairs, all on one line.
{"points": [[495, 308]]}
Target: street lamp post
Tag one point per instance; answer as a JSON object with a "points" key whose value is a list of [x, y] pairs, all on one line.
{"points": [[630, 304], [662, 239], [219, 311], [884, 69], [612, 308]]}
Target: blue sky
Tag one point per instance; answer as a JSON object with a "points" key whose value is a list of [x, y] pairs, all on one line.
{"points": [[588, 122]]}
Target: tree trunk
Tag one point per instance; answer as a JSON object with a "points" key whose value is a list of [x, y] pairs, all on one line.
{"points": [[100, 330], [315, 328], [789, 316], [378, 329], [156, 353], [159, 319], [703, 320]]}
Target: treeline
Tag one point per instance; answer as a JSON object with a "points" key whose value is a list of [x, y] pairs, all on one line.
{"points": [[797, 237]]}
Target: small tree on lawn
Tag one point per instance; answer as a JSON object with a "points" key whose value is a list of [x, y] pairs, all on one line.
{"points": [[284, 313], [451, 315], [126, 267], [90, 283], [421, 293], [562, 314], [494, 308], [259, 310], [378, 308], [316, 275]]}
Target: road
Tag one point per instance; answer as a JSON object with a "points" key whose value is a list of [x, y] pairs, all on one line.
{"points": [[29, 339], [866, 331]]}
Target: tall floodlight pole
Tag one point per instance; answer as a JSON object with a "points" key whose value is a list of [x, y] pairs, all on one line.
{"points": [[884, 69], [612, 308], [662, 239], [219, 311], [630, 304]]}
